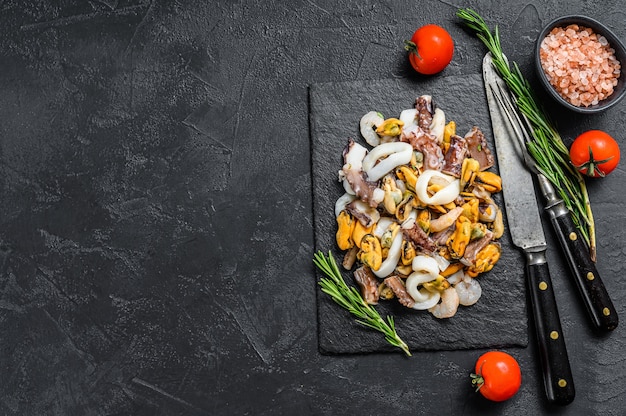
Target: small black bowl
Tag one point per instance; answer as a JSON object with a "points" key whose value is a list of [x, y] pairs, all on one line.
{"points": [[614, 42]]}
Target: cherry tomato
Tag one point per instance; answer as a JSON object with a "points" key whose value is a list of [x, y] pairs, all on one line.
{"points": [[430, 49], [594, 153], [498, 376]]}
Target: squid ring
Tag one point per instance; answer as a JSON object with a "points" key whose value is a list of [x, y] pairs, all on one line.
{"points": [[398, 153], [422, 297], [342, 202], [426, 264], [425, 269], [432, 301], [441, 197], [382, 225], [390, 263]]}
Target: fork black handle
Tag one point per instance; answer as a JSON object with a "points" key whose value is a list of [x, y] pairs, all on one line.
{"points": [[596, 298], [557, 374]]}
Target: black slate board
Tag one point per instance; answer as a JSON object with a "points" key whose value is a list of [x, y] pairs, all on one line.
{"points": [[499, 319]]}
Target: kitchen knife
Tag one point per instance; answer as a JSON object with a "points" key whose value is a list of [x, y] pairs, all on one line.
{"points": [[525, 227]]}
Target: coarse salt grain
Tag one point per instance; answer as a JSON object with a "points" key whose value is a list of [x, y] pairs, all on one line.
{"points": [[580, 65]]}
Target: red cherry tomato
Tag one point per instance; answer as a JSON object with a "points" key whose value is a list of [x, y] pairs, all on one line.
{"points": [[595, 153], [430, 49], [498, 376]]}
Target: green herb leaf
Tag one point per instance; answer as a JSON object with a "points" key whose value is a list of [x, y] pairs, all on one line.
{"points": [[350, 299]]}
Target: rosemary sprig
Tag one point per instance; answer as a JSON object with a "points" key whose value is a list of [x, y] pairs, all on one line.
{"points": [[546, 146], [349, 298]]}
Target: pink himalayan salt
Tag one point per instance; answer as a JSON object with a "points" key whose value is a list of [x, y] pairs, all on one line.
{"points": [[579, 64]]}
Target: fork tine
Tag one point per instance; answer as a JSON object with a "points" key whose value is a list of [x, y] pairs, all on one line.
{"points": [[523, 121], [521, 134], [511, 113], [506, 97]]}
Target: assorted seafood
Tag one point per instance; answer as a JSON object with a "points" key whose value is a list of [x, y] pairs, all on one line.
{"points": [[417, 220]]}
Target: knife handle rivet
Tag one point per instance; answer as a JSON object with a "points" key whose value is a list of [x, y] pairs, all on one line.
{"points": [[606, 311], [562, 383], [554, 335], [573, 236], [543, 285], [590, 276]]}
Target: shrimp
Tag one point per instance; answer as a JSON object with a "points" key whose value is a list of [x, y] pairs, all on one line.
{"points": [[469, 291], [448, 305], [456, 277], [369, 123]]}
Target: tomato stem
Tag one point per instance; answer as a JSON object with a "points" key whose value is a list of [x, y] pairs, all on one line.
{"points": [[477, 381], [412, 48], [591, 167]]}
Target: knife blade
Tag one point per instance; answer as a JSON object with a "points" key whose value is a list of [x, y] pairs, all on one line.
{"points": [[526, 229]]}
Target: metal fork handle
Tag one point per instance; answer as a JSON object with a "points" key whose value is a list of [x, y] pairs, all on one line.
{"points": [[593, 292]]}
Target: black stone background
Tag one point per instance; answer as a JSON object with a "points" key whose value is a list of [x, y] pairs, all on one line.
{"points": [[156, 210]]}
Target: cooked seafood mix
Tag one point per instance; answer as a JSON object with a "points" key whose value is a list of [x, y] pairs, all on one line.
{"points": [[417, 220]]}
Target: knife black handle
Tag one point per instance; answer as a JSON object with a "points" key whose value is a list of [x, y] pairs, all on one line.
{"points": [[557, 374], [592, 290]]}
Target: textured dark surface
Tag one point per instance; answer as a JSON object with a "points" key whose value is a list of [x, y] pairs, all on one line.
{"points": [[336, 109], [156, 215]]}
